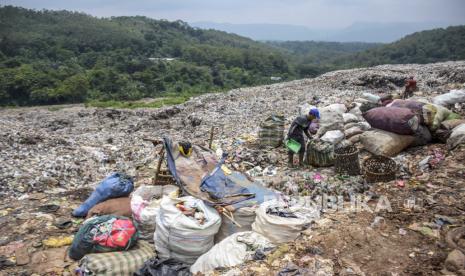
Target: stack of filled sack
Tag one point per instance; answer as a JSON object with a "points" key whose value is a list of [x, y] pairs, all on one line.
{"points": [[415, 122]]}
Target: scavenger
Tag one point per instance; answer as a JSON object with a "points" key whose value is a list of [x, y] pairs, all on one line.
{"points": [[299, 127], [410, 87]]}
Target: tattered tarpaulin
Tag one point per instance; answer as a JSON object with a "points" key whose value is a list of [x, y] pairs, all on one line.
{"points": [[201, 176]]}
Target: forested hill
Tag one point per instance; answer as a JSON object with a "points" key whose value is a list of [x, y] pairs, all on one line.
{"points": [[421, 47], [51, 57], [310, 58]]}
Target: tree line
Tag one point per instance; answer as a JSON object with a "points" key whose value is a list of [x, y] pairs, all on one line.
{"points": [[51, 57]]}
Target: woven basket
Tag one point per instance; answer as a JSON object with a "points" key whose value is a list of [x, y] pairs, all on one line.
{"points": [[346, 160], [379, 169], [320, 154]]}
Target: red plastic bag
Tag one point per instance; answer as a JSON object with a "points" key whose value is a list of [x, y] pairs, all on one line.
{"points": [[119, 236]]}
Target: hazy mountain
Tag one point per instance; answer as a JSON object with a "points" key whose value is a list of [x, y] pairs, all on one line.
{"points": [[359, 31], [265, 31]]}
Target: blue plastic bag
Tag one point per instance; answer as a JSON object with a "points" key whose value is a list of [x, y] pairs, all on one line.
{"points": [[115, 185]]}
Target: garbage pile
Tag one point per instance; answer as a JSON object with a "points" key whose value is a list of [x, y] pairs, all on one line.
{"points": [[62, 163]]}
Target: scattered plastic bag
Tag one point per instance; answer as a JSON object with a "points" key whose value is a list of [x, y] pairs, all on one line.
{"points": [[115, 185], [457, 136], [234, 250], [451, 98], [181, 237], [283, 229], [58, 241]]}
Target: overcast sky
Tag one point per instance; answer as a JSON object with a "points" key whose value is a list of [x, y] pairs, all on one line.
{"points": [[310, 13]]}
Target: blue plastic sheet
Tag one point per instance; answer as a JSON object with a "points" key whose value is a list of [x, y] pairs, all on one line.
{"points": [[219, 187]]}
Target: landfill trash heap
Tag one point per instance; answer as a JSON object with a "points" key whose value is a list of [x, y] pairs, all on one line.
{"points": [[380, 192]]}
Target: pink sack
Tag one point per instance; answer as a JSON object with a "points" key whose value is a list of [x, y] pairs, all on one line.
{"points": [[393, 119], [416, 107]]}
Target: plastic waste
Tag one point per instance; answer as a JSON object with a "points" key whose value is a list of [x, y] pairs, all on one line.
{"points": [[386, 143], [58, 241], [244, 216], [283, 229], [163, 267], [422, 136], [115, 185], [145, 204], [331, 118], [103, 234], [372, 98], [393, 119], [457, 136], [181, 237], [333, 136], [349, 118], [234, 250], [451, 98]]}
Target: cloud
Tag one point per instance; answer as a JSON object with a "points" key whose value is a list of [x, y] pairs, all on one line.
{"points": [[312, 13]]}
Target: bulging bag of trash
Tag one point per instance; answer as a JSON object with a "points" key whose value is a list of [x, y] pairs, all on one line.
{"points": [[115, 185], [281, 223], [117, 263], [244, 216], [234, 250], [331, 118], [434, 115], [271, 132], [353, 131], [119, 206], [350, 118], [422, 137], [385, 143], [333, 136], [457, 136], [163, 267], [145, 204], [185, 228], [451, 98], [415, 106], [393, 119], [103, 234]]}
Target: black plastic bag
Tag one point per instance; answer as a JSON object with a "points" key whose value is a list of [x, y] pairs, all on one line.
{"points": [[166, 267]]}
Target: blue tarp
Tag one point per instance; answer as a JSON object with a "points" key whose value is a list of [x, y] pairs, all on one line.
{"points": [[217, 188]]}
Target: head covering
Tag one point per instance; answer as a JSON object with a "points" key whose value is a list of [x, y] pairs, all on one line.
{"points": [[315, 112]]}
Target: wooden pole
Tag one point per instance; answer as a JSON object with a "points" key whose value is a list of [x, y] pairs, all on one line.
{"points": [[160, 160], [210, 142]]}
